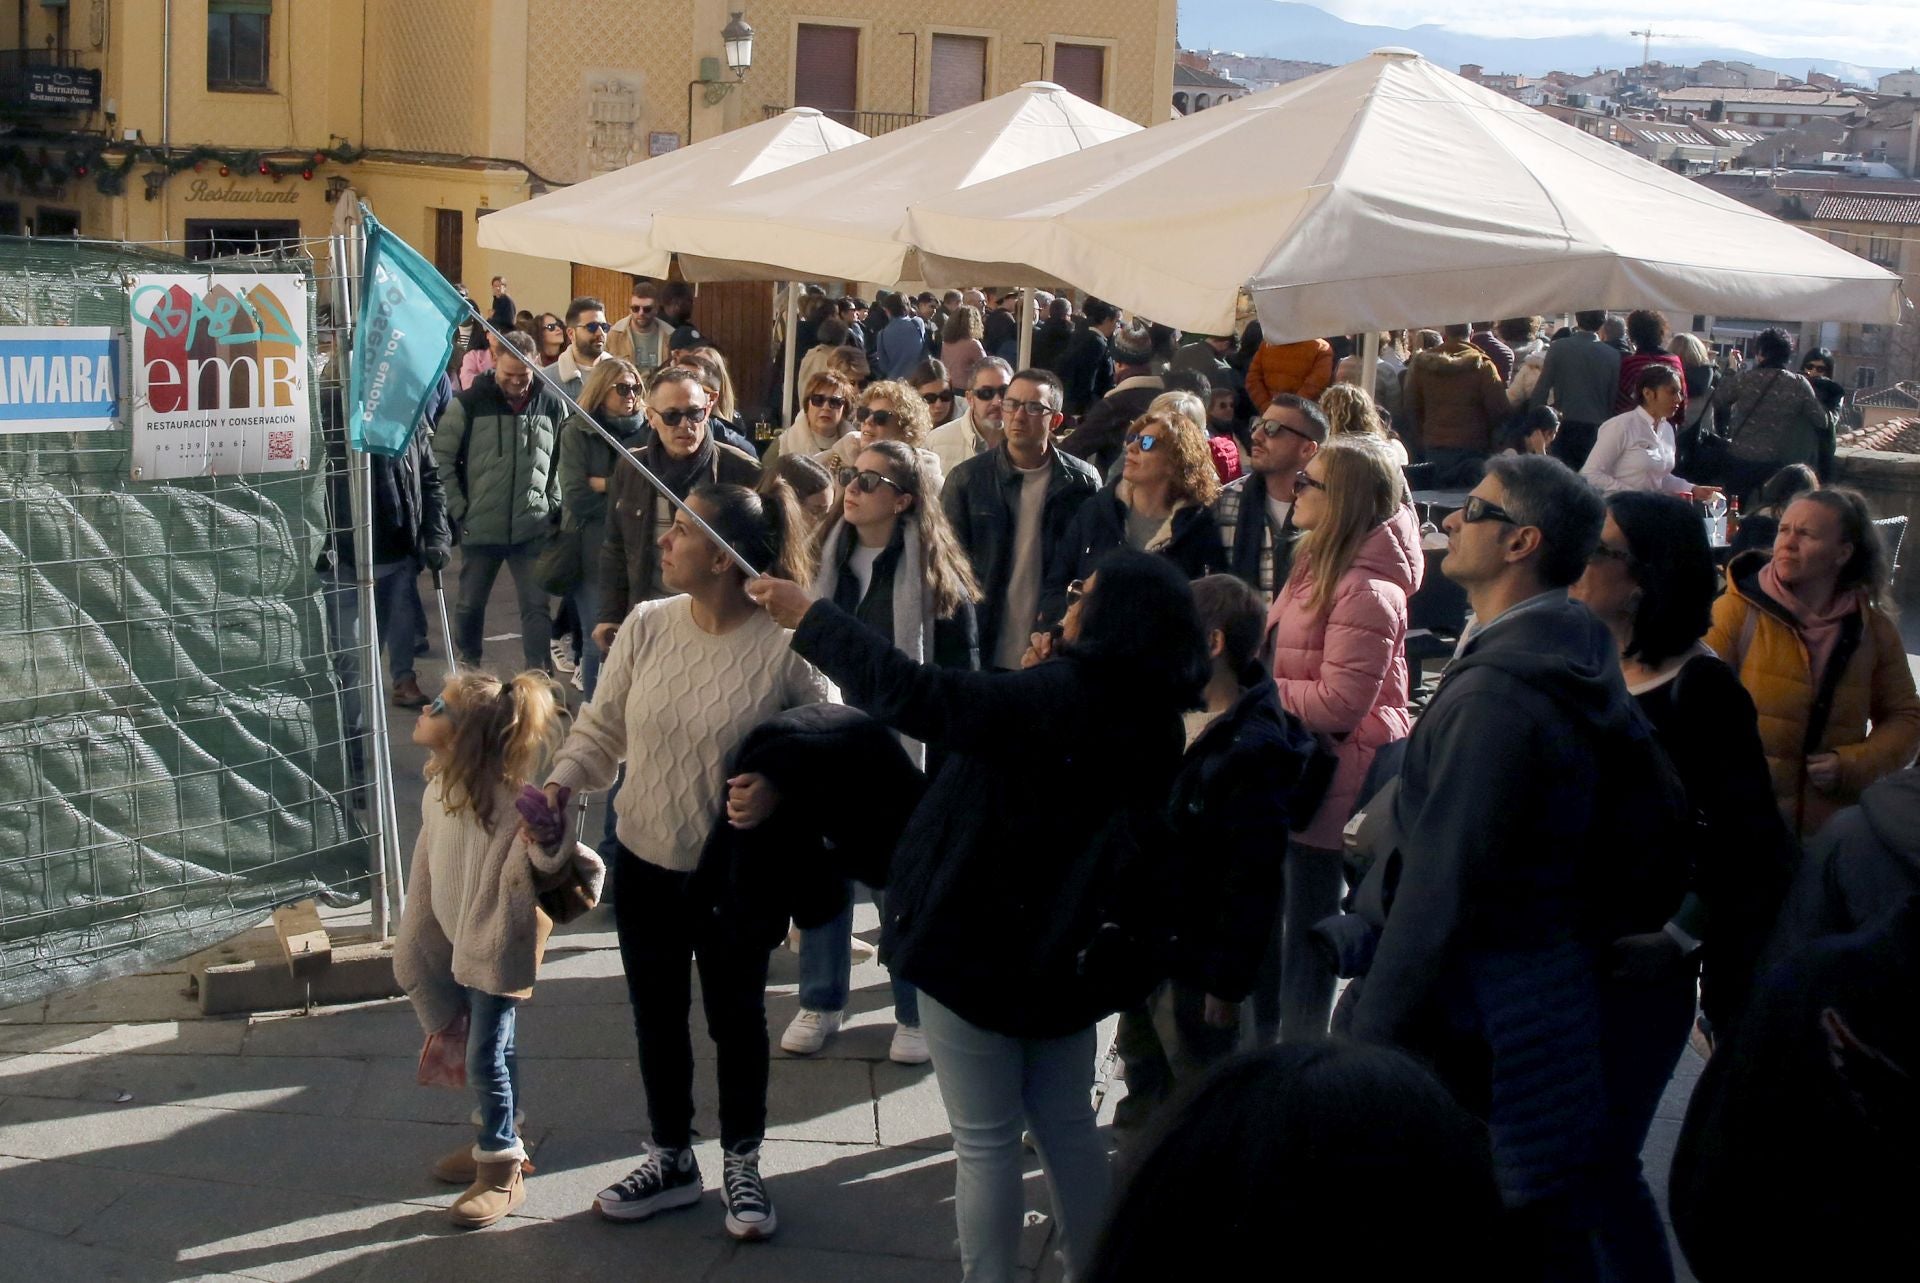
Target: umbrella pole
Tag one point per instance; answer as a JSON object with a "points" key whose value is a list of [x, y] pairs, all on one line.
{"points": [[1027, 316], [1369, 360], [790, 395]]}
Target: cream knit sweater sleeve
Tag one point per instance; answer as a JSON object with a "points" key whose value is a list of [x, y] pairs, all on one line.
{"points": [[591, 756]]}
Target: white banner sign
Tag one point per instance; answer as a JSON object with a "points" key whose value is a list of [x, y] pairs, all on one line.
{"points": [[59, 378], [219, 371]]}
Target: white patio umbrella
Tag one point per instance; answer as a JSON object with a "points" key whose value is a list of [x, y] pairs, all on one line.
{"points": [[1384, 193], [838, 217], [608, 221]]}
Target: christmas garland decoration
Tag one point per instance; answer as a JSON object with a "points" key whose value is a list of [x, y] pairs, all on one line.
{"points": [[109, 163]]}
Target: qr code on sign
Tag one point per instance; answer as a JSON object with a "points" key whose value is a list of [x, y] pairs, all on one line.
{"points": [[279, 445]]}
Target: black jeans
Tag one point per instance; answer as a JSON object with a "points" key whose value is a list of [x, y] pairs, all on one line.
{"points": [[660, 929]]}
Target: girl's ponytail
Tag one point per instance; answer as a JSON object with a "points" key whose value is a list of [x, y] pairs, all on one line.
{"points": [[536, 725]]}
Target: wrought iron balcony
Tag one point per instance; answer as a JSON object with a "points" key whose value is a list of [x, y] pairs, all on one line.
{"points": [[870, 123]]}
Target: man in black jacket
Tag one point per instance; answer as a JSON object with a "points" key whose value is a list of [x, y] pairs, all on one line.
{"points": [[1482, 965], [1010, 509], [1086, 370], [1100, 437], [1255, 511]]}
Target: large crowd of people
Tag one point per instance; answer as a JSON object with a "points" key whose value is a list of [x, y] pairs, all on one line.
{"points": [[1096, 673]]}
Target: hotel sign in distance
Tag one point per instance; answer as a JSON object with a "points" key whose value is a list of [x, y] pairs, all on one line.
{"points": [[59, 378]]}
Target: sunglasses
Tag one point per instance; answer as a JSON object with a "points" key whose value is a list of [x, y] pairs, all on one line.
{"points": [[1479, 509], [626, 389], [692, 414], [1145, 440], [1602, 552], [989, 394], [1076, 590], [596, 327], [438, 708], [551, 326], [879, 418], [817, 401], [640, 309], [1302, 480], [1273, 428], [946, 396], [1819, 369], [1037, 409], [867, 482]]}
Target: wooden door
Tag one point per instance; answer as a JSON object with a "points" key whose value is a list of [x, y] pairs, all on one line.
{"points": [[738, 317], [610, 287]]}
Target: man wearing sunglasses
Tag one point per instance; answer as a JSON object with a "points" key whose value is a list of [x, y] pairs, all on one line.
{"points": [[1255, 511], [982, 427], [587, 331], [640, 336], [1011, 508], [1510, 856], [495, 449], [684, 455]]}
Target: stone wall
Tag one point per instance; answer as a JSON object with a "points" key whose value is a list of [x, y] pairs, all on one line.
{"points": [[1891, 483]]}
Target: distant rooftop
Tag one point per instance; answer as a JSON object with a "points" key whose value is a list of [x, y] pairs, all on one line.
{"points": [[1185, 77], [1777, 97], [1869, 209]]}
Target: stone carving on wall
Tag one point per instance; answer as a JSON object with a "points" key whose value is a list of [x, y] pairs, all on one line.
{"points": [[614, 109]]}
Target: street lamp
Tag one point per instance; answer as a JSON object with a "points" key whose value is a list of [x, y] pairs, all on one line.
{"points": [[737, 37]]}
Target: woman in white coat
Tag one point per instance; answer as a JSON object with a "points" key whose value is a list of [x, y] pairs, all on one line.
{"points": [[1635, 450]]}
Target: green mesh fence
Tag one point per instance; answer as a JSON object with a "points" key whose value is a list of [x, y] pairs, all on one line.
{"points": [[176, 702]]}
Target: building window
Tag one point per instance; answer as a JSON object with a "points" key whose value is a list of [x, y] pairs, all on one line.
{"points": [[449, 243], [1884, 250], [1764, 118], [1082, 70], [1864, 377], [826, 70], [237, 43], [957, 76], [220, 238]]}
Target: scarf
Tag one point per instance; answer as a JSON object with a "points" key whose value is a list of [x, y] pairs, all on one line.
{"points": [[679, 475], [1820, 631], [912, 608], [623, 426]]}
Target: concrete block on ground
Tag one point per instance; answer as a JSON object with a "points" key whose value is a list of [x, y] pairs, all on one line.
{"points": [[359, 972], [160, 996], [372, 1029]]}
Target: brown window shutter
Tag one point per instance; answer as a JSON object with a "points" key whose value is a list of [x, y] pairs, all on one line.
{"points": [[957, 76], [1082, 70], [826, 70]]}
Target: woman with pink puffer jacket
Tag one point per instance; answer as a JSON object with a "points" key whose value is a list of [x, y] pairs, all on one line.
{"points": [[1338, 631]]}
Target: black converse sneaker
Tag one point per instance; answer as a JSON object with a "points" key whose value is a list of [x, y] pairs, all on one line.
{"points": [[749, 1210], [668, 1178]]}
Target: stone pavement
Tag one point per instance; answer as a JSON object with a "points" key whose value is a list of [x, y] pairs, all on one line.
{"points": [[141, 1142]]}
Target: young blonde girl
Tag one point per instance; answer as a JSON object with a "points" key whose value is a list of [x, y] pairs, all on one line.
{"points": [[471, 938]]}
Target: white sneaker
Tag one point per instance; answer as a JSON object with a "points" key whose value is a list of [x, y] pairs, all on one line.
{"points": [[579, 680], [909, 1046], [809, 1032], [562, 653]]}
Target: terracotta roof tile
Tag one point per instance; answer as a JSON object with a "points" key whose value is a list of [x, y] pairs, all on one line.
{"points": [[1868, 209], [1895, 436]]}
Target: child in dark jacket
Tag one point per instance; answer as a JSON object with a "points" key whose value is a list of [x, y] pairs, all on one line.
{"points": [[1229, 814]]}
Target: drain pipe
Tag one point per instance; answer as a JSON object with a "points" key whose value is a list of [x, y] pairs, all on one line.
{"points": [[166, 105]]}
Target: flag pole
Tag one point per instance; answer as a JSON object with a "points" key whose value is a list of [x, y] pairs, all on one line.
{"points": [[620, 450]]}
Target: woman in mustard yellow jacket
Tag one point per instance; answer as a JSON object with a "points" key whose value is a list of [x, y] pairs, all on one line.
{"points": [[1803, 627]]}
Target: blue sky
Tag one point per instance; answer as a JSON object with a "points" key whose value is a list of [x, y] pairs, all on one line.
{"points": [[1883, 33]]}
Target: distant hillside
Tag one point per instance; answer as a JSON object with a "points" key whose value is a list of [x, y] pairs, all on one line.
{"points": [[1283, 30]]}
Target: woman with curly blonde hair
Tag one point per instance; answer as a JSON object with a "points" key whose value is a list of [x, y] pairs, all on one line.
{"points": [[1162, 502], [1351, 412], [889, 411]]}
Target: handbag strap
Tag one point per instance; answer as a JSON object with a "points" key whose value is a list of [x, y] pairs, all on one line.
{"points": [[1754, 409]]}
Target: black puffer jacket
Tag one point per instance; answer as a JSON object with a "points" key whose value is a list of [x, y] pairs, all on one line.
{"points": [[1048, 771], [1101, 524]]}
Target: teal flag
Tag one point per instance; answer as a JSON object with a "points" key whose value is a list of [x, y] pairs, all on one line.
{"points": [[405, 337]]}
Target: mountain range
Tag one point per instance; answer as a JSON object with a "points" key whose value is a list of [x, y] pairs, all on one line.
{"points": [[1274, 28]]}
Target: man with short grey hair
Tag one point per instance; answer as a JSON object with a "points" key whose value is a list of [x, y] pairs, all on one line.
{"points": [[981, 428]]}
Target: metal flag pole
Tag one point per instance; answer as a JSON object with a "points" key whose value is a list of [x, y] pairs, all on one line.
{"points": [[446, 629], [620, 450]]}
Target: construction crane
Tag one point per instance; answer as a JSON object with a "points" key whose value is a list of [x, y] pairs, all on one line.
{"points": [[1646, 44]]}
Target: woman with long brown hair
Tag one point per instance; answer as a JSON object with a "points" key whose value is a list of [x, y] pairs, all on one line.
{"points": [[550, 332], [888, 558], [688, 677], [1338, 631], [960, 345], [1161, 503]]}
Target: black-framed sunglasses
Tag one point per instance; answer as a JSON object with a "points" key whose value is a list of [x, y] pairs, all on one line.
{"points": [[817, 400], [868, 481], [1478, 509], [989, 394], [1301, 480], [1273, 428], [1145, 440], [596, 327], [640, 309], [626, 389], [551, 326], [879, 418], [692, 414], [946, 396]]}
